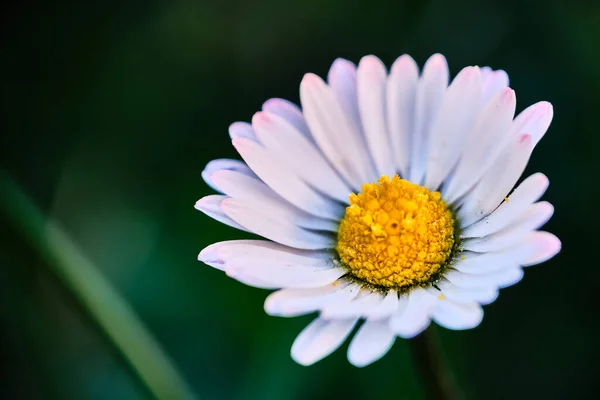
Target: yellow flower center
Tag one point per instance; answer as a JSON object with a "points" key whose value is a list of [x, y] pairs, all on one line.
{"points": [[395, 233]]}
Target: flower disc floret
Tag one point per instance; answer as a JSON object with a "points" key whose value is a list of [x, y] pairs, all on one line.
{"points": [[395, 234]]}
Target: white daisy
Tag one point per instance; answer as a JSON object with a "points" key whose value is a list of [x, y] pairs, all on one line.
{"points": [[383, 199]]}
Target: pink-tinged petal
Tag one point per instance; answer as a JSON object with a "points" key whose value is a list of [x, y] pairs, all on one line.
{"points": [[371, 84], [483, 145], [543, 246], [510, 164], [401, 92], [534, 121], [242, 130], [493, 82], [457, 115]]}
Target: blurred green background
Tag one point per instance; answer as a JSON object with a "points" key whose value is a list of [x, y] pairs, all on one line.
{"points": [[111, 109]]}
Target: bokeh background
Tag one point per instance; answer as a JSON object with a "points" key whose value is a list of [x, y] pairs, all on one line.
{"points": [[111, 109]]}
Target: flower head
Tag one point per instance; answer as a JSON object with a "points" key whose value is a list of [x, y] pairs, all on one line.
{"points": [[386, 198]]}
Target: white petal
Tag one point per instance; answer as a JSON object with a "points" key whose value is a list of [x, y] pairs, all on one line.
{"points": [[211, 206], [483, 145], [264, 223], [430, 94], [259, 196], [254, 281], [507, 277], [503, 277], [529, 191], [218, 253], [534, 248], [279, 136], [273, 171], [342, 80], [485, 263], [334, 132], [372, 341], [493, 82], [501, 177], [371, 85], [209, 256], [319, 339], [224, 164], [457, 115], [359, 306], [242, 130], [415, 316], [534, 121], [293, 302], [541, 247], [456, 293], [457, 315], [271, 253], [283, 276], [536, 215], [290, 112], [401, 92], [385, 308]]}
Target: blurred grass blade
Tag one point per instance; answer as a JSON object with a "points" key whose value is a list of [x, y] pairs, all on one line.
{"points": [[95, 292]]}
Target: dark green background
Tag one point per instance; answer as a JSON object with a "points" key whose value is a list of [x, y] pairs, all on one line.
{"points": [[112, 109]]}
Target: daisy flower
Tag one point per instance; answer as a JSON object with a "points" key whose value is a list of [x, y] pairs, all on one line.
{"points": [[387, 198]]}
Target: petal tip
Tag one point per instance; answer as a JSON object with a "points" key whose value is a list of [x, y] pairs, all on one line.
{"points": [[210, 257], [405, 63], [370, 61], [201, 204], [260, 117], [311, 81], [302, 357], [437, 60], [342, 63]]}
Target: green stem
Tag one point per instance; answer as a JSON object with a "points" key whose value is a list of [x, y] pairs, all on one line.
{"points": [[111, 311], [431, 366]]}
